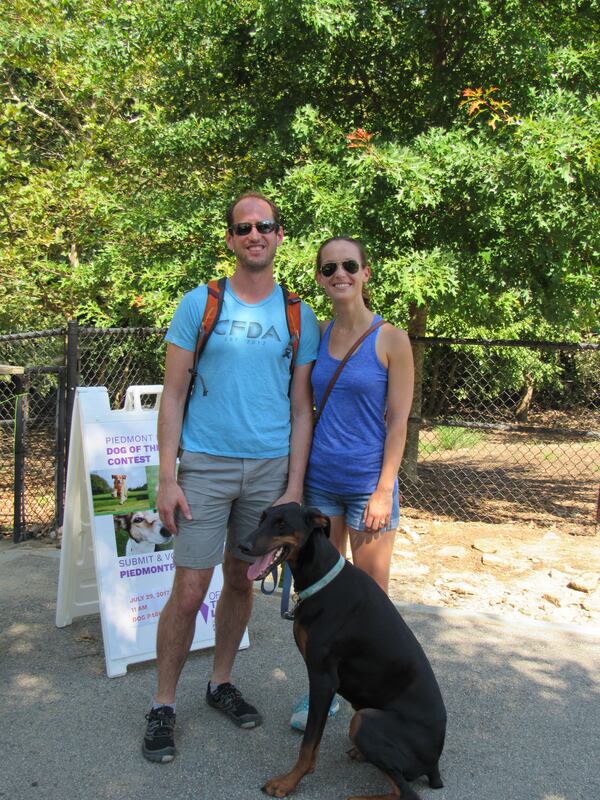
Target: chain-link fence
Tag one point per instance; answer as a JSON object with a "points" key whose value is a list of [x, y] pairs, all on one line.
{"points": [[121, 357], [31, 429], [500, 431], [506, 432]]}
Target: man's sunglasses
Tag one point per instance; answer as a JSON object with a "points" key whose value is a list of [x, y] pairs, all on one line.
{"points": [[328, 269], [244, 228]]}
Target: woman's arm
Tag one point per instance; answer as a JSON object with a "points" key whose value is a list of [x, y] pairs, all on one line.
{"points": [[393, 347]]}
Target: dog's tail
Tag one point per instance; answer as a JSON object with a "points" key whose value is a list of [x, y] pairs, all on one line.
{"points": [[434, 778]]}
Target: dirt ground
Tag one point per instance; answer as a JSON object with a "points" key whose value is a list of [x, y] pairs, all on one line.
{"points": [[542, 573], [540, 559], [514, 570]]}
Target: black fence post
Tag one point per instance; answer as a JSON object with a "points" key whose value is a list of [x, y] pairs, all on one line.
{"points": [[20, 384], [72, 359], [61, 450]]}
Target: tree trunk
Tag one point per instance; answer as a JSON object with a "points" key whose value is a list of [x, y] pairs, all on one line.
{"points": [[416, 327], [430, 403], [522, 409]]}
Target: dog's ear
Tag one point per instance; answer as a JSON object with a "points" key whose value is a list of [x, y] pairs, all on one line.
{"points": [[318, 520]]}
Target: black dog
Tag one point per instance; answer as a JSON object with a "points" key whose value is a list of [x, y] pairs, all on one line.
{"points": [[353, 642]]}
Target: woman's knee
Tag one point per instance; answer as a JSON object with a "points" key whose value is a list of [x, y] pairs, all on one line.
{"points": [[374, 557]]}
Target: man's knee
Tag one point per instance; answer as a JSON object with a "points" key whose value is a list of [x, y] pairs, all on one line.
{"points": [[235, 575], [189, 589]]}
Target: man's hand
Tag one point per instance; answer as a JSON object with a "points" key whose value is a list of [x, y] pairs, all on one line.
{"points": [[288, 497], [169, 496]]}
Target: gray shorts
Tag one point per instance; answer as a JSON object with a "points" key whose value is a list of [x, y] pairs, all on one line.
{"points": [[226, 497]]}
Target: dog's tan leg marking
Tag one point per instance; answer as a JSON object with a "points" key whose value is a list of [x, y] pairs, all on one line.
{"points": [[285, 784], [396, 793], [301, 637], [375, 797], [354, 752]]}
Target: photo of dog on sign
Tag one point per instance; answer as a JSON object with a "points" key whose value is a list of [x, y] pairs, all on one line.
{"points": [[117, 491], [140, 533]]}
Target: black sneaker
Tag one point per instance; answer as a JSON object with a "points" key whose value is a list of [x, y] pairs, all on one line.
{"points": [[229, 700], [159, 743]]}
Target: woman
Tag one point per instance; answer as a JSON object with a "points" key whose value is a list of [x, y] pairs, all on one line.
{"points": [[359, 438]]}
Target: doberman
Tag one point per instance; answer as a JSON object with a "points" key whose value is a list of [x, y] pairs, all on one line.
{"points": [[354, 642]]}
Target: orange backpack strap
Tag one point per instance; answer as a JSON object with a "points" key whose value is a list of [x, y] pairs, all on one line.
{"points": [[292, 315], [210, 317]]}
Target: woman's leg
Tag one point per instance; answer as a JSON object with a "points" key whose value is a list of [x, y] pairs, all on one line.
{"points": [[338, 535], [374, 556]]}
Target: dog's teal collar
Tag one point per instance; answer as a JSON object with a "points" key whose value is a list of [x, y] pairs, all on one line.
{"points": [[327, 578]]}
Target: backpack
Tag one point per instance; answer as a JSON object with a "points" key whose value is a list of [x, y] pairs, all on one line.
{"points": [[210, 317]]}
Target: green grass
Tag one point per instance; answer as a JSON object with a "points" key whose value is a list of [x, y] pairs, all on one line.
{"points": [[445, 438], [137, 500]]}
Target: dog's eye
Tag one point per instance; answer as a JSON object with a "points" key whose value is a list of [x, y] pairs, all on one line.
{"points": [[138, 518]]}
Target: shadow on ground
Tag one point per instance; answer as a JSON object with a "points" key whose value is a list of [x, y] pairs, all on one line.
{"points": [[523, 703]]}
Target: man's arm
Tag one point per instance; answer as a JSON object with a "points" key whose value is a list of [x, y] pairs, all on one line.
{"points": [[170, 419], [302, 427]]}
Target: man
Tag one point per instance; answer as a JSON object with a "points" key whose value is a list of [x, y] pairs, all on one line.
{"points": [[245, 441]]}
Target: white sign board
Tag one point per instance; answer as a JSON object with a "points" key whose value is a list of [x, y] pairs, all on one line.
{"points": [[116, 556]]}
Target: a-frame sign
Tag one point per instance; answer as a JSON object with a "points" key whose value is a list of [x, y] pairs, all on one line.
{"points": [[115, 556]]}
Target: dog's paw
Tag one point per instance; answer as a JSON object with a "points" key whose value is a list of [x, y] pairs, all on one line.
{"points": [[280, 786]]}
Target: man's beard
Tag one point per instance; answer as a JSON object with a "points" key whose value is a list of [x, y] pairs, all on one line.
{"points": [[255, 266]]}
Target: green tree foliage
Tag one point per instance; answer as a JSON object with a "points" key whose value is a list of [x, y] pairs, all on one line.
{"points": [[126, 127]]}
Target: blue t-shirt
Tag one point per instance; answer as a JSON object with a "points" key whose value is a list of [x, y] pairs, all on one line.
{"points": [[240, 405]]}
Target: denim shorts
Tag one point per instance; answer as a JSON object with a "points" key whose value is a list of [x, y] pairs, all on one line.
{"points": [[350, 506]]}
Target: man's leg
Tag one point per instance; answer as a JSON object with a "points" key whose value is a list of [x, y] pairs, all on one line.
{"points": [[263, 481], [174, 639], [231, 617], [176, 628]]}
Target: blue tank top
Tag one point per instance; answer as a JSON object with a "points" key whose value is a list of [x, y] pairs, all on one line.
{"points": [[347, 448]]}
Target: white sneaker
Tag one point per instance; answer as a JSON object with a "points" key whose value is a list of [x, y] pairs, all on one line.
{"points": [[300, 712]]}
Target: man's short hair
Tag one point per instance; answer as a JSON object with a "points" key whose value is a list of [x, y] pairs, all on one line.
{"points": [[257, 196]]}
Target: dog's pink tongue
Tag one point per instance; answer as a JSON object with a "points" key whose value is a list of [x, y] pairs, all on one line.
{"points": [[259, 566]]}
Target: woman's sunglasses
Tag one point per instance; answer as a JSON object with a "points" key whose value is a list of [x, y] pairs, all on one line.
{"points": [[244, 228], [328, 269]]}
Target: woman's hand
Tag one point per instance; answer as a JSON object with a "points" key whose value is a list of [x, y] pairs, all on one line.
{"points": [[378, 512]]}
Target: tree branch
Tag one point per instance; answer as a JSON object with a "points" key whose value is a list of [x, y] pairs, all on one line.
{"points": [[38, 111]]}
